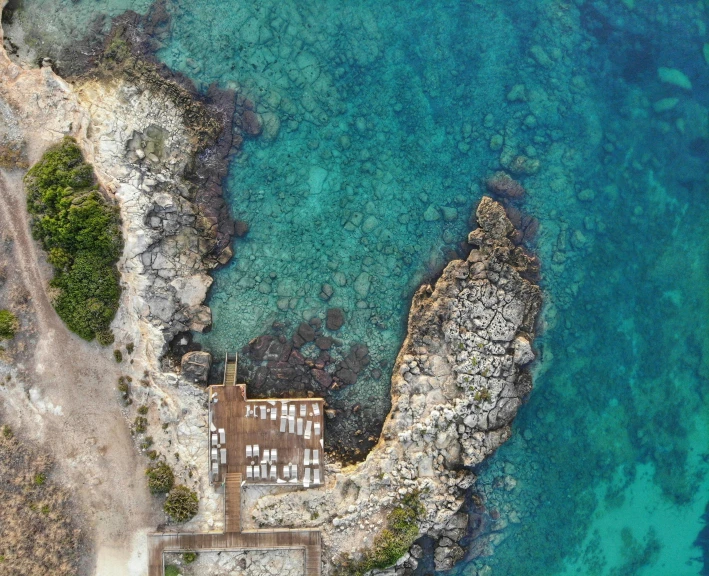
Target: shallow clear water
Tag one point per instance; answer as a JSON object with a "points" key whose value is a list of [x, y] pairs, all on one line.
{"points": [[389, 115]]}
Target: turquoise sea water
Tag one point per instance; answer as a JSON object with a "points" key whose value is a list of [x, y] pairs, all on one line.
{"points": [[381, 119]]}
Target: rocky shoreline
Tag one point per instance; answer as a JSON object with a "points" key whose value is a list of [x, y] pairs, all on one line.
{"points": [[458, 382]]}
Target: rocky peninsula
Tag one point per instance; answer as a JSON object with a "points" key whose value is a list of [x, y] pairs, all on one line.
{"points": [[160, 151]]}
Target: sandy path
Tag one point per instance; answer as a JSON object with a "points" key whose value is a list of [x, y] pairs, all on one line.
{"points": [[69, 403]]}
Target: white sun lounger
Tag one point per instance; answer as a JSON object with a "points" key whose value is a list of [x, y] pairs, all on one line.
{"points": [[317, 428], [291, 424], [274, 454], [300, 426], [316, 457], [316, 409], [284, 421], [302, 410], [249, 452], [256, 449], [274, 413], [308, 427], [266, 456], [274, 472], [306, 478], [249, 472], [214, 453], [294, 472], [264, 472], [222, 455], [214, 440], [263, 412], [256, 474], [215, 468], [286, 471], [222, 436], [291, 410], [306, 457], [316, 476]]}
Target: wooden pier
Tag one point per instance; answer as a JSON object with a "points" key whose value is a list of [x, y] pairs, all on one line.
{"points": [[231, 429]]}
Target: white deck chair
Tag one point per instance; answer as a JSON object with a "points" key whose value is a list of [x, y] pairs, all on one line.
{"points": [[286, 471], [266, 456], [274, 454], [256, 474], [316, 409], [308, 427], [274, 472], [300, 426], [264, 472], [306, 478], [284, 421], [291, 410], [317, 428], [293, 472], [256, 451], [291, 424], [316, 457], [316, 476], [222, 455], [215, 468], [274, 413], [214, 453], [302, 410], [249, 452], [263, 412], [222, 436], [249, 472], [306, 457], [214, 440]]}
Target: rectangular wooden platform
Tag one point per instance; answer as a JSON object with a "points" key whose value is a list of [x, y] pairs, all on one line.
{"points": [[260, 423]]}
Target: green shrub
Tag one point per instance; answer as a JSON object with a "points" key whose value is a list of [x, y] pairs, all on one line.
{"points": [[146, 443], [171, 570], [130, 347], [143, 410], [118, 355], [40, 479], [7, 432], [161, 478], [105, 337], [189, 557], [140, 424], [80, 231], [181, 504], [8, 325]]}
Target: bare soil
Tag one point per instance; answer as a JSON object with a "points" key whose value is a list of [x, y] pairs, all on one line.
{"points": [[60, 391]]}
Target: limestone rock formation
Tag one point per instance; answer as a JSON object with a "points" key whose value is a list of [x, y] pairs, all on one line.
{"points": [[458, 382], [195, 366]]}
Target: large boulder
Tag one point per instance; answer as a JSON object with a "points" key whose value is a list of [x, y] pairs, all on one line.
{"points": [[195, 366]]}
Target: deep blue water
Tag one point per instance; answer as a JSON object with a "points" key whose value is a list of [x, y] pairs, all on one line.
{"points": [[389, 115]]}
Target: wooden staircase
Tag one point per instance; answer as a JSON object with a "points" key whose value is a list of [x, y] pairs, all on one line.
{"points": [[230, 370]]}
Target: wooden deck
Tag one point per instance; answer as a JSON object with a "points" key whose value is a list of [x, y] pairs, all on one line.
{"points": [[308, 540], [228, 411], [232, 503]]}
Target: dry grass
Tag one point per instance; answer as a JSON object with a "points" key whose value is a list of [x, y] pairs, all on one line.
{"points": [[38, 535]]}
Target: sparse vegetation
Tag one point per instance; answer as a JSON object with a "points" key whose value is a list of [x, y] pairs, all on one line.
{"points": [[143, 410], [12, 155], [161, 478], [171, 570], [130, 347], [8, 325], [81, 233], [189, 557], [181, 504], [38, 535], [392, 542], [118, 355], [140, 425], [482, 395]]}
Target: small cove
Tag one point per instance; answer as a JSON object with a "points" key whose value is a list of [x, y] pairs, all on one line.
{"points": [[389, 116]]}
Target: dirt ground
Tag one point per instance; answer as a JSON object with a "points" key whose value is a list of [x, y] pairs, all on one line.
{"points": [[61, 392]]}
